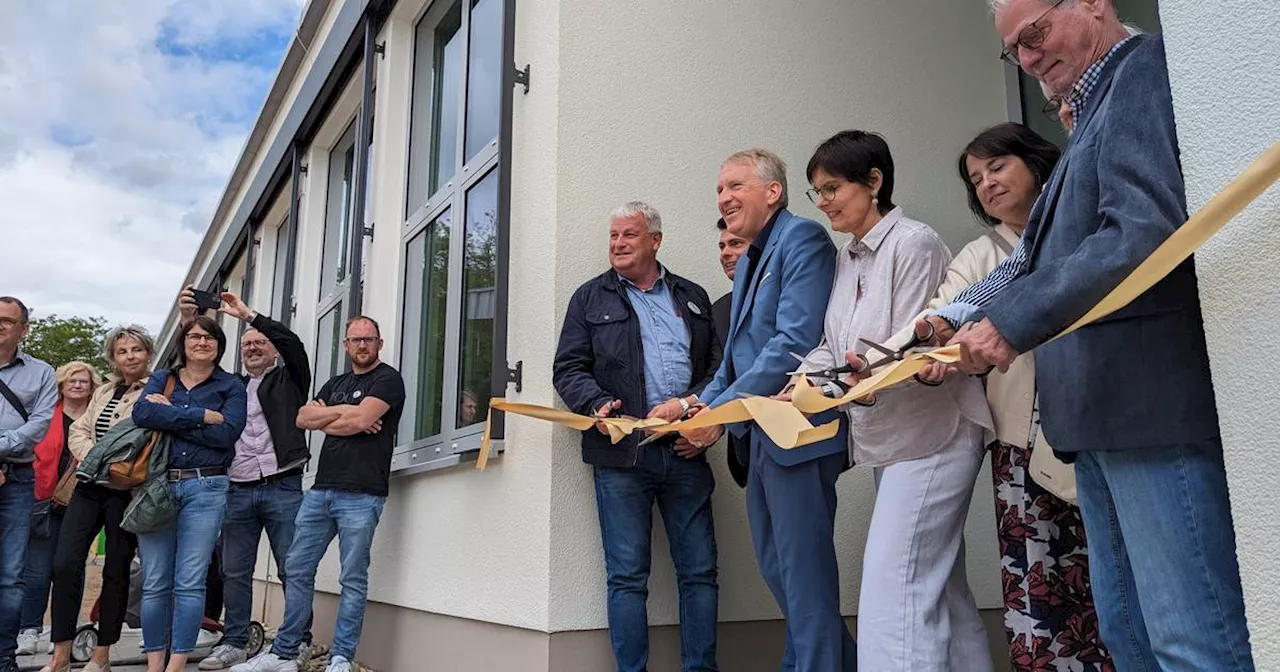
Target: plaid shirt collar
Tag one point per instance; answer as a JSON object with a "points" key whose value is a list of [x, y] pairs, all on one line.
{"points": [[1089, 81]]}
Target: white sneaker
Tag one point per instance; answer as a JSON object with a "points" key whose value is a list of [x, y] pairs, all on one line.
{"points": [[267, 662], [222, 658], [28, 640], [338, 664], [207, 638]]}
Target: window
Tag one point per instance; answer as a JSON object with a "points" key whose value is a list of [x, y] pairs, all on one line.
{"points": [[281, 305], [453, 227], [335, 278]]}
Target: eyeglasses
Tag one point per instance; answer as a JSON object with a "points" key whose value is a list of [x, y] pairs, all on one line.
{"points": [[200, 338], [75, 382], [1051, 108], [261, 343], [362, 340], [8, 322], [820, 194], [1030, 37]]}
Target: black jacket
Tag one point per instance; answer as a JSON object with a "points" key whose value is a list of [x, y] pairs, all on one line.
{"points": [[600, 357], [720, 312], [284, 390]]}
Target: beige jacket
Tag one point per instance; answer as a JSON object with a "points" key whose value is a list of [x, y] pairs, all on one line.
{"points": [[1010, 394], [82, 435]]}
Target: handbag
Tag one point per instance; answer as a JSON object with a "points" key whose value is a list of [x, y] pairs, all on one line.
{"points": [[1057, 477], [66, 487], [129, 474]]}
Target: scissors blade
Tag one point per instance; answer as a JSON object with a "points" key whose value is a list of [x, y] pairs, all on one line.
{"points": [[883, 349], [806, 366]]}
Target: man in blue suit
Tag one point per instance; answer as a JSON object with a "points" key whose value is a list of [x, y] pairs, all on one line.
{"points": [[780, 292], [1129, 397]]}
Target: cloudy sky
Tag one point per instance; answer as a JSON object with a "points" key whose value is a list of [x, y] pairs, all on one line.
{"points": [[120, 123]]}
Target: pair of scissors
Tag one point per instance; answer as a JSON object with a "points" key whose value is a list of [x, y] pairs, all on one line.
{"points": [[833, 387], [900, 354]]}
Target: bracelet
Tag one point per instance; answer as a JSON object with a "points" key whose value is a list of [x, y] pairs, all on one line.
{"points": [[684, 406]]}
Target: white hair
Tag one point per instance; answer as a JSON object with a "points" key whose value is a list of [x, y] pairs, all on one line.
{"points": [[632, 208], [769, 168]]}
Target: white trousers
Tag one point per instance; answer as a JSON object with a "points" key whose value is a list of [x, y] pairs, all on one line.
{"points": [[916, 612]]}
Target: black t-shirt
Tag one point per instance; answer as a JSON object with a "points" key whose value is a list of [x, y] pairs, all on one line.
{"points": [[361, 462]]}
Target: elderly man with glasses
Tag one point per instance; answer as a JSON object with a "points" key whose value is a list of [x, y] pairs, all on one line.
{"points": [[266, 472], [28, 394], [1132, 401]]}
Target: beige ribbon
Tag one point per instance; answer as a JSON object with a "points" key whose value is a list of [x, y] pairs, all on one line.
{"points": [[785, 423]]}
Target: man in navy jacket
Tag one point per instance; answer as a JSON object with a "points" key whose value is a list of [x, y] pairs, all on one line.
{"points": [[639, 341]]}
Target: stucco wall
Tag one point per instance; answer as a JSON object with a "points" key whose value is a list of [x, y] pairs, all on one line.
{"points": [[1223, 67], [653, 95]]}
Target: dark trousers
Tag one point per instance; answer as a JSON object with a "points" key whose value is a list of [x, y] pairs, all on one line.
{"points": [[92, 508], [213, 585]]}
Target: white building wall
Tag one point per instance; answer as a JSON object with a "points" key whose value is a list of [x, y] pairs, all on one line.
{"points": [[1223, 67], [653, 95], [460, 542]]}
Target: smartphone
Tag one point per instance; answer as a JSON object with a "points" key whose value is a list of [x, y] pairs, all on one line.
{"points": [[207, 300]]}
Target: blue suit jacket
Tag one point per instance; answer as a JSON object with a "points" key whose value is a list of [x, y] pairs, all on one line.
{"points": [[1139, 377], [776, 313]]}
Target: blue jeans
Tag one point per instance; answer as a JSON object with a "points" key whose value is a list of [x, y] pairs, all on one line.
{"points": [[353, 518], [624, 502], [174, 564], [250, 510], [38, 574], [17, 497], [1162, 558]]}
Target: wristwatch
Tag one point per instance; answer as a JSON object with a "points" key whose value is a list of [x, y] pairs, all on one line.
{"points": [[684, 406]]}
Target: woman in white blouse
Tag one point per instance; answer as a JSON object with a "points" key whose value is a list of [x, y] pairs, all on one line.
{"points": [[924, 443]]}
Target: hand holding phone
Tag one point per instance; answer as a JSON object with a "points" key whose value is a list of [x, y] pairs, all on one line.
{"points": [[206, 300]]}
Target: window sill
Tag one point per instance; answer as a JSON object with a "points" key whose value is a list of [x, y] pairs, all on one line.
{"points": [[419, 461]]}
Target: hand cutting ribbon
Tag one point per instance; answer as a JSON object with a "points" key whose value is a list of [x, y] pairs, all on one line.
{"points": [[785, 423]]}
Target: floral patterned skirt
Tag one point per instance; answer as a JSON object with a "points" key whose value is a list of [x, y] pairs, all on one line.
{"points": [[1049, 614]]}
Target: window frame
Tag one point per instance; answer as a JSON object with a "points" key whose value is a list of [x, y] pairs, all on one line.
{"points": [[492, 159]]}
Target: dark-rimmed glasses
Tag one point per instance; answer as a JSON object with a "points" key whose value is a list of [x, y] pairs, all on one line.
{"points": [[1030, 37]]}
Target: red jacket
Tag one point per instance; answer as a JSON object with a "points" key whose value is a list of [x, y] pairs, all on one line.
{"points": [[48, 453]]}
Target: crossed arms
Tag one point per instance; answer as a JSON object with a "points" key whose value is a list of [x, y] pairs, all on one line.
{"points": [[344, 419]]}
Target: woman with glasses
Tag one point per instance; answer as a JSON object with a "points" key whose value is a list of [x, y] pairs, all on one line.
{"points": [[76, 383], [924, 443], [1049, 612], [93, 507], [204, 414]]}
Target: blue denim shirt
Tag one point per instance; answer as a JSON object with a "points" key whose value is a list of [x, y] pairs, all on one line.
{"points": [[33, 382], [195, 444], [663, 338]]}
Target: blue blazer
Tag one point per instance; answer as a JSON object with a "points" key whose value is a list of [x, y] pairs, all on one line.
{"points": [[1139, 377], [776, 313]]}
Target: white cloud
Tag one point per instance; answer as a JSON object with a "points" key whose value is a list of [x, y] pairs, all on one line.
{"points": [[119, 127]]}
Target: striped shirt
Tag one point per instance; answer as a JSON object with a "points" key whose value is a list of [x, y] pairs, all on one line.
{"points": [[967, 304], [108, 414]]}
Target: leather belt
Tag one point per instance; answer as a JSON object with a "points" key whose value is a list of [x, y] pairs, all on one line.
{"points": [[203, 472], [265, 480]]}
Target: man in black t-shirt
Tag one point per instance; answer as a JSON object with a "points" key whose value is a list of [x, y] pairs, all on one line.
{"points": [[358, 413]]}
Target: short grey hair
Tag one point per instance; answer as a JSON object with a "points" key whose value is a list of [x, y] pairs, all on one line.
{"points": [[632, 208], [769, 167], [120, 333]]}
